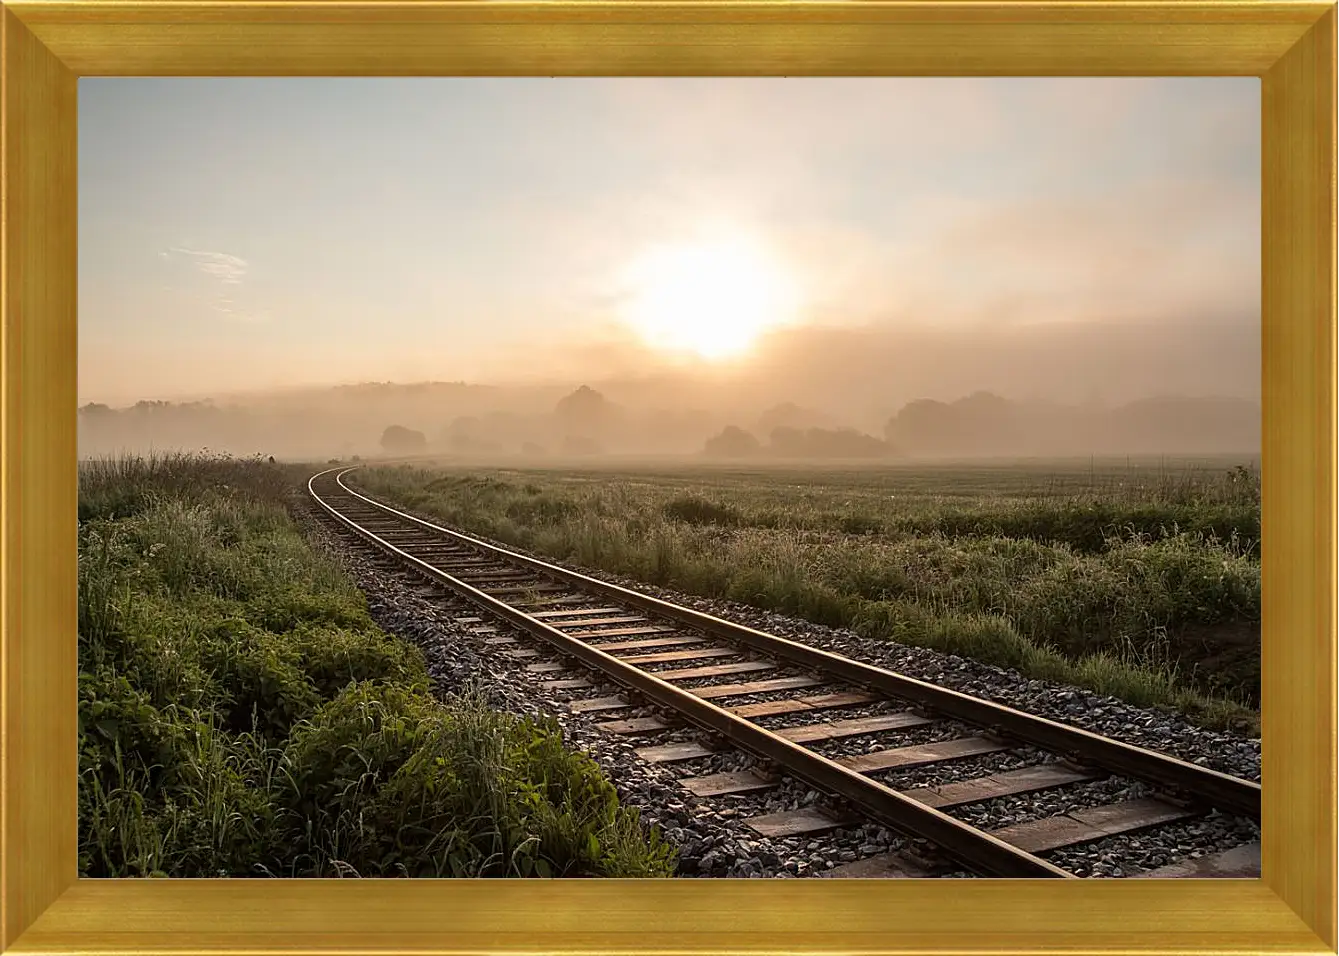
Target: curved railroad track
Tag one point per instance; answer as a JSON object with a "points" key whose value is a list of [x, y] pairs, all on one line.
{"points": [[675, 658]]}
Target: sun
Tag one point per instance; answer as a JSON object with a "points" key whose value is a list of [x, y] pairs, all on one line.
{"points": [[711, 297]]}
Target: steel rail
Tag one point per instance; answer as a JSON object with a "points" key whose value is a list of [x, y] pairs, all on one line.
{"points": [[977, 850], [1220, 790]]}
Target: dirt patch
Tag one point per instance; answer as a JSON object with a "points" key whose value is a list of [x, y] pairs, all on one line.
{"points": [[1223, 658]]}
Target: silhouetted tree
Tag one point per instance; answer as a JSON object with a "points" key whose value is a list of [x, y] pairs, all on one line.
{"points": [[398, 440], [466, 426], [923, 425], [583, 412], [787, 442], [732, 442]]}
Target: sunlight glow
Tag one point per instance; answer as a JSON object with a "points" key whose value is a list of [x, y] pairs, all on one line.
{"points": [[713, 298]]}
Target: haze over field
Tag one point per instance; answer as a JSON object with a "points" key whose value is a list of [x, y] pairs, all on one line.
{"points": [[798, 254]]}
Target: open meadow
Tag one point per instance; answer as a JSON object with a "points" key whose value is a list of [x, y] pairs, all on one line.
{"points": [[1138, 578]]}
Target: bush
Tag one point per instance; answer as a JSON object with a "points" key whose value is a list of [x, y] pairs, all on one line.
{"points": [[265, 688], [393, 783], [691, 509], [333, 657], [121, 732]]}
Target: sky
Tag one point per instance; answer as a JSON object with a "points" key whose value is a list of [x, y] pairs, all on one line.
{"points": [[248, 234]]}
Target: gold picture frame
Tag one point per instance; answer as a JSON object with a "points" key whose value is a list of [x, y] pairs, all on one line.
{"points": [[48, 44]]}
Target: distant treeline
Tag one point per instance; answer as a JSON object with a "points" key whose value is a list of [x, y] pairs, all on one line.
{"points": [[467, 420], [984, 424], [584, 422]]}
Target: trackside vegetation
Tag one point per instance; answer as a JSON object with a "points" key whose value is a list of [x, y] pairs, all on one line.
{"points": [[242, 715], [1141, 581]]}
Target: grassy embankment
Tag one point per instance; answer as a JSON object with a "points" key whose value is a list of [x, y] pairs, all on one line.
{"points": [[241, 715], [1138, 582]]}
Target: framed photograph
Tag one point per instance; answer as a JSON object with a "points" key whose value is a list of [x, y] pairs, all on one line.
{"points": [[929, 293]]}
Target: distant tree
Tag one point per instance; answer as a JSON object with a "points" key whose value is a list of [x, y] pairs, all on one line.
{"points": [[923, 425], [732, 442], [988, 422], [826, 443], [398, 440], [584, 412], [464, 427], [787, 442], [582, 401], [843, 443], [981, 423]]}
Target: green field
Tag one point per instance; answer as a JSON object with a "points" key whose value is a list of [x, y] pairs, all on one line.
{"points": [[242, 715], [1135, 578]]}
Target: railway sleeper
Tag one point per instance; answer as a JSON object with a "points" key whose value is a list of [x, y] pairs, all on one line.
{"points": [[667, 641], [624, 618], [594, 704], [619, 632], [808, 733], [577, 612], [545, 602], [717, 691], [831, 730], [1238, 863], [566, 683], [635, 725], [666, 657], [976, 790], [765, 709], [1036, 836], [1091, 823], [475, 580]]}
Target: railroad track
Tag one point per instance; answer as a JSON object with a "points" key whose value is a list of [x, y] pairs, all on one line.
{"points": [[694, 669]]}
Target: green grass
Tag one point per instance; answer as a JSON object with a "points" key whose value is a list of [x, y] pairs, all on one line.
{"points": [[241, 714], [1139, 580]]}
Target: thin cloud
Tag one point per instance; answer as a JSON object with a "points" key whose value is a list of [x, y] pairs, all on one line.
{"points": [[226, 268], [224, 273], [229, 309]]}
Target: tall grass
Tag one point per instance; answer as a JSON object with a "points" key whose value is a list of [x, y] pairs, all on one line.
{"points": [[241, 715], [1110, 583], [122, 486]]}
